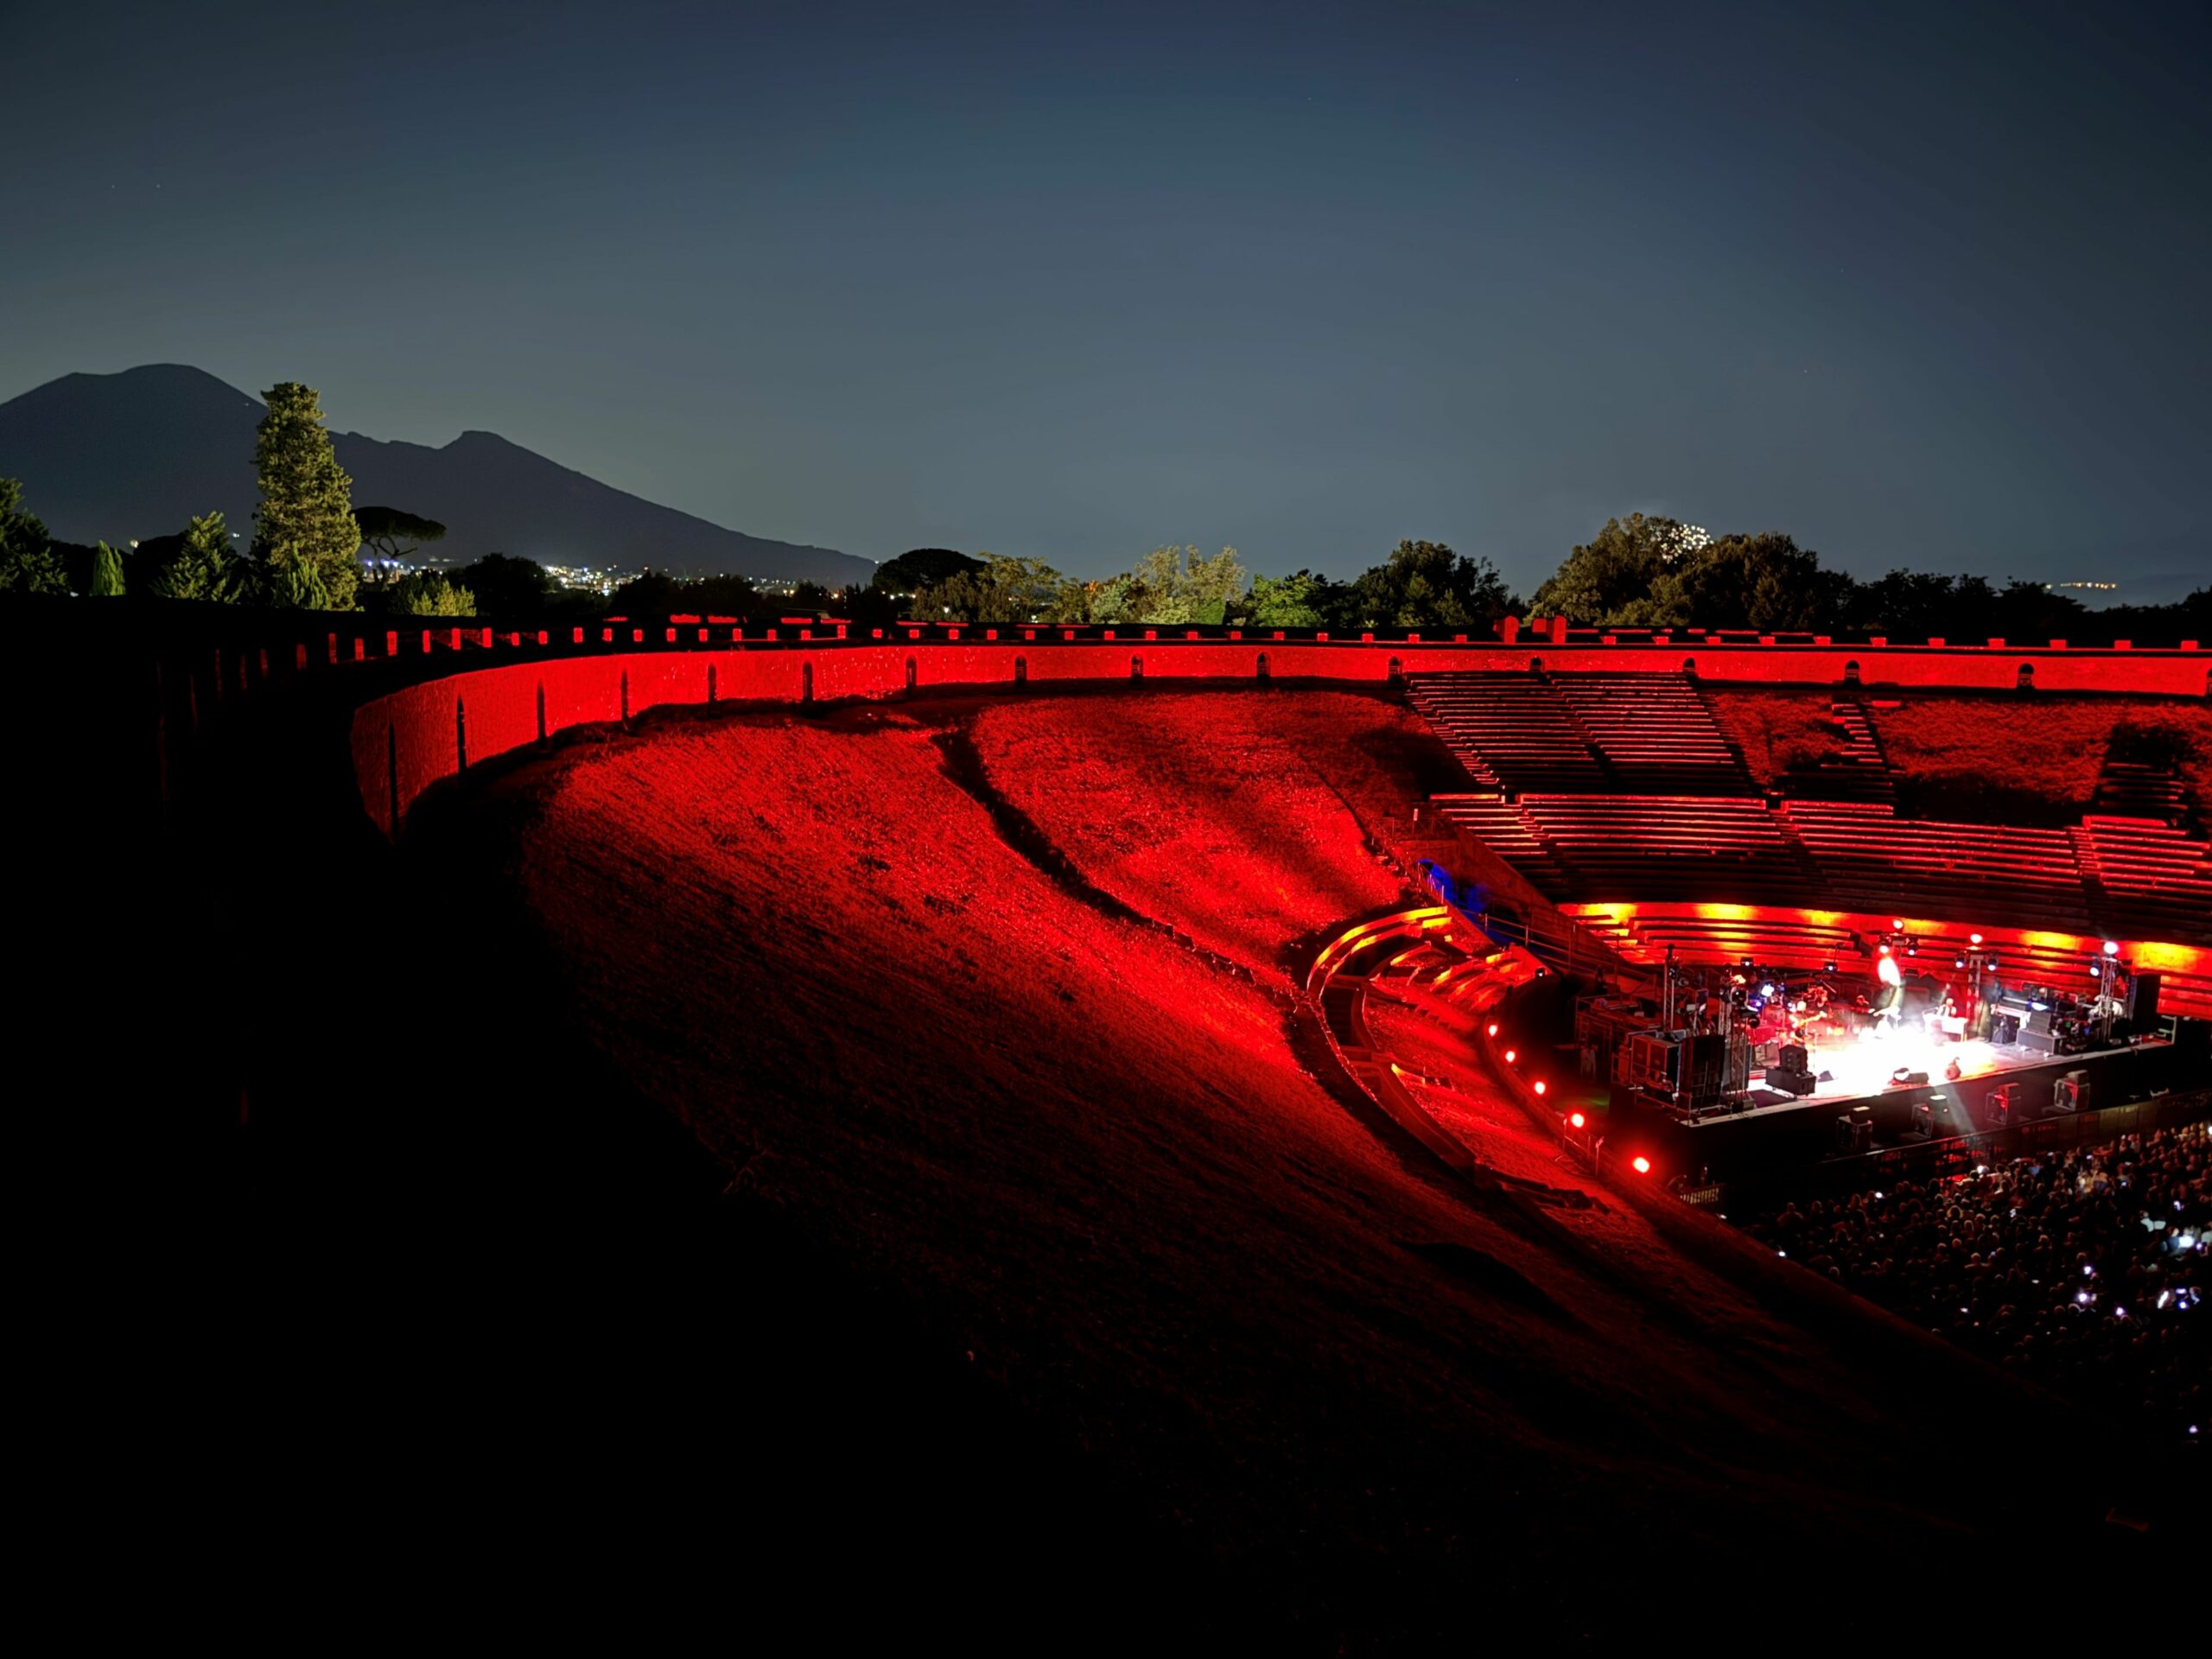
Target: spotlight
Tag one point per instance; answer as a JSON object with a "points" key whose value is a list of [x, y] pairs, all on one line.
{"points": [[1974, 938], [1958, 961], [1493, 1028], [1912, 947], [1575, 1121], [1897, 927], [1540, 1086], [1640, 1164], [2112, 947], [1509, 1057], [1827, 967]]}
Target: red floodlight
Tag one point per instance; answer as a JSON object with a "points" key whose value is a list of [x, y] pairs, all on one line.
{"points": [[1575, 1121], [1493, 1028], [1540, 1085], [1640, 1164], [1510, 1057], [1974, 938]]}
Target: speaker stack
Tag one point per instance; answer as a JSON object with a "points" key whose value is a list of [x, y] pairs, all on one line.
{"points": [[1791, 1073]]}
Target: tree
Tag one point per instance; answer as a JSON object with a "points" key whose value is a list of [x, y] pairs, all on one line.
{"points": [[426, 593], [507, 587], [202, 565], [1001, 589], [297, 588], [1172, 585], [1292, 601], [1616, 568], [28, 563], [304, 535], [650, 593], [923, 567], [1426, 585], [392, 534], [107, 573], [1764, 581]]}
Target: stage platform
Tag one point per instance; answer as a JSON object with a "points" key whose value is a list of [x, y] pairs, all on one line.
{"points": [[1852, 1070], [1770, 1130]]}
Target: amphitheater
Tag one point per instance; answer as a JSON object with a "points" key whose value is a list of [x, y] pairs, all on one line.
{"points": [[1041, 1071]]}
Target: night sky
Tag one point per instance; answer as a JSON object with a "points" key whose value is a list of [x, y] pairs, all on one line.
{"points": [[1927, 287]]}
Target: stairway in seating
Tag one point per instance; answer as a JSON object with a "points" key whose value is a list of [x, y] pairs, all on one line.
{"points": [[2093, 870], [1861, 772], [2128, 789]]}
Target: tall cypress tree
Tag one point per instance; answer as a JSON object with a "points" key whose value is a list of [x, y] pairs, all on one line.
{"points": [[107, 572], [303, 530]]}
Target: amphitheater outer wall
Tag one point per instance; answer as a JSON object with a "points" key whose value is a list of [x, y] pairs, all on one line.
{"points": [[408, 739]]}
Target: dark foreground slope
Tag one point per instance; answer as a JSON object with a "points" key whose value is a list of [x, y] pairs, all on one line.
{"points": [[1326, 1387], [708, 1174]]}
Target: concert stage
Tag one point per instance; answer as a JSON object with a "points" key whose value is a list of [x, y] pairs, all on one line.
{"points": [[1772, 1130]]}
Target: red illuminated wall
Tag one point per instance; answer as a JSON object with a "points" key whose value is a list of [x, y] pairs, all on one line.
{"points": [[408, 739]]}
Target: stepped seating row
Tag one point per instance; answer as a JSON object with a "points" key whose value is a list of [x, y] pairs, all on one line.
{"points": [[2143, 870], [1654, 731], [1507, 729], [1653, 846], [1773, 941], [1869, 855], [1582, 732], [1783, 941], [2132, 877]]}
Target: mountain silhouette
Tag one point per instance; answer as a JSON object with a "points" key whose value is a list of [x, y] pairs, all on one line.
{"points": [[122, 457]]}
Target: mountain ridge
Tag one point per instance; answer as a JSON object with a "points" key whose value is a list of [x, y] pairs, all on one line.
{"points": [[123, 456]]}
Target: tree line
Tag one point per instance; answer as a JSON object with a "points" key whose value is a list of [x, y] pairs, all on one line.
{"points": [[311, 549]]}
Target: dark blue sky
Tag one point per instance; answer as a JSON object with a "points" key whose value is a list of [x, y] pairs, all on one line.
{"points": [[1925, 287]]}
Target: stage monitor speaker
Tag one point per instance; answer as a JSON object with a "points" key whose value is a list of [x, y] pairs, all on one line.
{"points": [[1791, 1083], [2143, 1001]]}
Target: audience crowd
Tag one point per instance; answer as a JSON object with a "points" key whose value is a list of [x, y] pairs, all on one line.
{"points": [[2086, 1270]]}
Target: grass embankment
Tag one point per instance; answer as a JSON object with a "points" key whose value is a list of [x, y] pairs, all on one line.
{"points": [[1084, 1157], [1992, 757]]}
